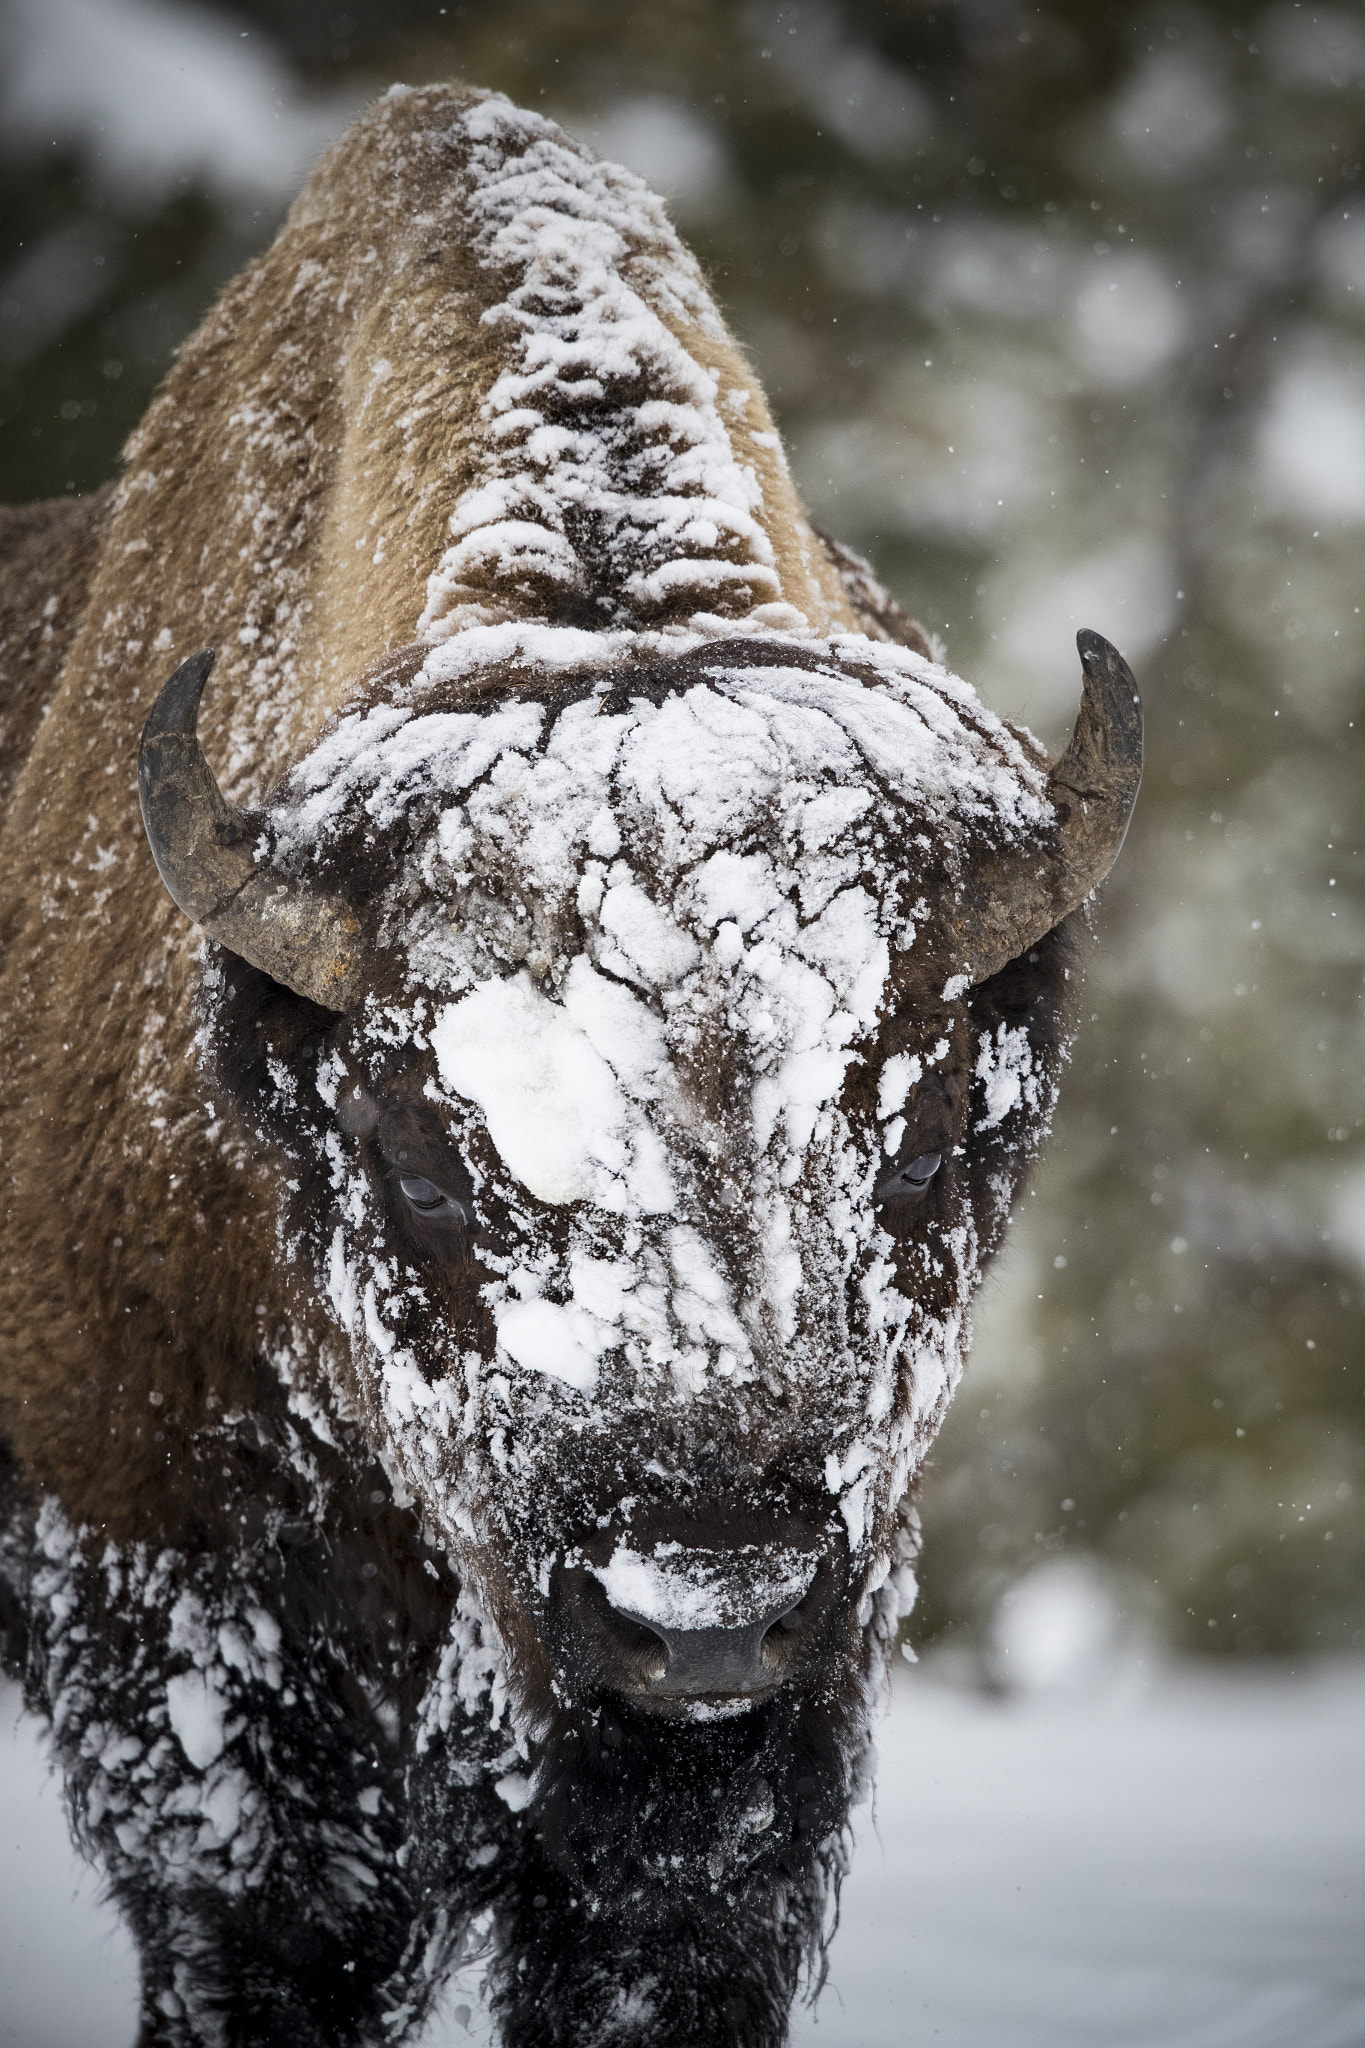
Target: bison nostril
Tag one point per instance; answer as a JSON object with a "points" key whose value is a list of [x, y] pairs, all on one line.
{"points": [[781, 1644], [718, 1662], [638, 1651], [712, 1662], [649, 1655]]}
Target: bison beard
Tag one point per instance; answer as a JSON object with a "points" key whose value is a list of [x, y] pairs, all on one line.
{"points": [[678, 1877], [473, 1321]]}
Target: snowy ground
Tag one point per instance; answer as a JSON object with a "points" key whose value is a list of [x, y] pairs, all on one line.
{"points": [[1180, 1867]]}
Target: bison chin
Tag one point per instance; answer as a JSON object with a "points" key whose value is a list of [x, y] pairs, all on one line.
{"points": [[677, 1876]]}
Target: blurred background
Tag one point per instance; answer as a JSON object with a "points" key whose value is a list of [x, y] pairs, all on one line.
{"points": [[1062, 311]]}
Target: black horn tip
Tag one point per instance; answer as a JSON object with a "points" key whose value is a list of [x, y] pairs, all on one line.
{"points": [[1111, 691], [1102, 662], [177, 705], [1094, 647]]}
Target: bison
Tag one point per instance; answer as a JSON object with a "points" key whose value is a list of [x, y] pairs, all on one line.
{"points": [[493, 1198]]}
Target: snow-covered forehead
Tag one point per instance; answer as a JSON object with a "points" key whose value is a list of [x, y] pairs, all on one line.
{"points": [[599, 884], [801, 765]]}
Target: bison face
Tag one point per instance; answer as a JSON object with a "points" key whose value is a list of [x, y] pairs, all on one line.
{"points": [[649, 1057]]}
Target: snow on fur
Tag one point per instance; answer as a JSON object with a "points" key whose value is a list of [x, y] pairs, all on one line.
{"points": [[605, 474]]}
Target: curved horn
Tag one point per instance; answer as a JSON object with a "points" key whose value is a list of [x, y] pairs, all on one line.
{"points": [[1092, 789], [203, 849]]}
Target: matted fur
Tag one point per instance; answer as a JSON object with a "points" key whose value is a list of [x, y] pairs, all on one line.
{"points": [[318, 1756]]}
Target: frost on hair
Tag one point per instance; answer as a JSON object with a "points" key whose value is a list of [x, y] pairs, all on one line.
{"points": [[608, 491]]}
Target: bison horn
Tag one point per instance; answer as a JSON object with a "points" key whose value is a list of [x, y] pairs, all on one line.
{"points": [[1092, 789], [203, 849]]}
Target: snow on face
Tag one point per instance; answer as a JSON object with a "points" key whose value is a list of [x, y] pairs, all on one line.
{"points": [[549, 1078], [642, 945], [682, 1589]]}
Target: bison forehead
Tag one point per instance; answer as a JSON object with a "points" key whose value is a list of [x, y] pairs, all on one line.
{"points": [[757, 789], [584, 894]]}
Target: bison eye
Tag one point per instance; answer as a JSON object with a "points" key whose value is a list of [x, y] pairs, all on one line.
{"points": [[428, 1200], [908, 1180]]}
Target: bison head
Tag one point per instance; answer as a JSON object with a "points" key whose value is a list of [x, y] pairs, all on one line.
{"points": [[650, 1053]]}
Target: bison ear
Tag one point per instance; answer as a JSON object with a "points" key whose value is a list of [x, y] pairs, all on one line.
{"points": [[208, 854], [1016, 899]]}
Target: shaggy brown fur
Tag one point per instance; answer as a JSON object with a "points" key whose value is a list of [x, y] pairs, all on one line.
{"points": [[48, 554]]}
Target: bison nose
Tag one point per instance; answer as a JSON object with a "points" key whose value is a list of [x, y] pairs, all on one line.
{"points": [[692, 1663], [653, 1659]]}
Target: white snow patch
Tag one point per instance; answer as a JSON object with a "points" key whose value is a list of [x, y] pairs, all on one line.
{"points": [[898, 1077], [621, 1028], [547, 1337], [196, 1708], [690, 1589], [514, 1791], [557, 1113], [387, 758], [1005, 1066]]}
